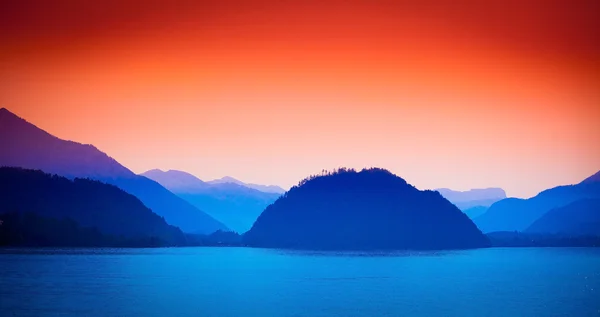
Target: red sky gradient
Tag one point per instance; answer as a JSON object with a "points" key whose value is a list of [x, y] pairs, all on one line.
{"points": [[458, 94]]}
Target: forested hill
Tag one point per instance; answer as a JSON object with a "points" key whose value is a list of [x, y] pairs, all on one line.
{"points": [[370, 209], [88, 203]]}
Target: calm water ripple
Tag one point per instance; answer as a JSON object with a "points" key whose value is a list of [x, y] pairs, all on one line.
{"points": [[260, 282]]}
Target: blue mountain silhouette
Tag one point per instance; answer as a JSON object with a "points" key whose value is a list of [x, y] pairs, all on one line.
{"points": [[370, 209], [514, 214], [25, 145], [235, 205]]}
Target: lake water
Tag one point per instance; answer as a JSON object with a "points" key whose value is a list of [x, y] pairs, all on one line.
{"points": [[258, 282]]}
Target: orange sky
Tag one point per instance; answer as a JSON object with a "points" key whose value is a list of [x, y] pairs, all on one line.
{"points": [[458, 94]]}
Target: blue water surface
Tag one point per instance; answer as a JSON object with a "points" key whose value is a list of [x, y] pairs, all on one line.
{"points": [[260, 282]]}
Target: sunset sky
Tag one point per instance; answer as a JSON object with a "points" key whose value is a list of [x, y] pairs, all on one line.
{"points": [[458, 94]]}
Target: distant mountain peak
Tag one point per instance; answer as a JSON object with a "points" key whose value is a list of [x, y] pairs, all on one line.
{"points": [[473, 197], [184, 182], [263, 188], [489, 191], [175, 180], [226, 179], [237, 206], [6, 114], [154, 170]]}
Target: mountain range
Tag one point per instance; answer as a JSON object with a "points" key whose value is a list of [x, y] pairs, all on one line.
{"points": [[263, 188], [514, 214], [228, 200], [25, 145], [346, 209]]}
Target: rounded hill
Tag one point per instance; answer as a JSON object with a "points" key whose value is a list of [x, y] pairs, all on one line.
{"points": [[366, 210]]}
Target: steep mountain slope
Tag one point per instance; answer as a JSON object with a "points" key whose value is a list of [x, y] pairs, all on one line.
{"points": [[371, 209], [592, 179], [89, 203], [263, 188], [25, 145], [514, 214], [577, 219], [235, 205]]}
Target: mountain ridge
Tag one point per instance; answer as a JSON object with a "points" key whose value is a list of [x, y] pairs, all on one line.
{"points": [[27, 146], [578, 218], [477, 197], [592, 179], [263, 188], [515, 214], [235, 205]]}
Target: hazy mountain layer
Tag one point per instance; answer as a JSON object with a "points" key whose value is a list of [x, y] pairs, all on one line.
{"points": [[513, 214], [578, 219], [473, 198], [25, 145], [235, 205]]}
